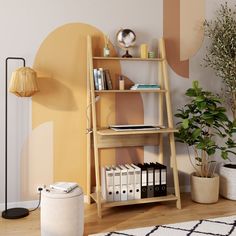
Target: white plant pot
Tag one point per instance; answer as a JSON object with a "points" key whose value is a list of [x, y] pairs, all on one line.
{"points": [[205, 190], [228, 181]]}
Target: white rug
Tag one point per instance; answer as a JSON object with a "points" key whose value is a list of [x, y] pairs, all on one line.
{"points": [[224, 226]]}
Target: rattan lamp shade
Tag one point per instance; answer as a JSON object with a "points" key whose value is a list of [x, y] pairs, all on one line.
{"points": [[23, 82]]}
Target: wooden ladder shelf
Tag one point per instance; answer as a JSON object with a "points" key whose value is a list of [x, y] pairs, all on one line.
{"points": [[106, 138]]}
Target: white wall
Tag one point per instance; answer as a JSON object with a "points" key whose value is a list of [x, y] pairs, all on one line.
{"points": [[25, 24]]}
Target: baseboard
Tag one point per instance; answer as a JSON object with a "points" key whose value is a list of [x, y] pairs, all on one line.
{"points": [[27, 204], [24, 204], [33, 204]]}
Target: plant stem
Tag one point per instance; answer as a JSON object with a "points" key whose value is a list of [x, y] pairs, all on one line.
{"points": [[204, 164], [194, 166], [234, 105]]}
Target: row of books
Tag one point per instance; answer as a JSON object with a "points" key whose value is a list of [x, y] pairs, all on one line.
{"points": [[130, 181], [102, 79]]}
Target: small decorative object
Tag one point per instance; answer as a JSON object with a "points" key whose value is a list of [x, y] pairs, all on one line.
{"points": [[204, 119], [151, 54], [121, 83], [106, 50], [144, 50], [126, 38]]}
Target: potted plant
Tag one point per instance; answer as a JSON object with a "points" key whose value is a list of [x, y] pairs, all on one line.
{"points": [[205, 127], [221, 52], [221, 57]]}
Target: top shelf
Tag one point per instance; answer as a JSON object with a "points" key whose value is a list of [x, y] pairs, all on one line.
{"points": [[128, 59]]}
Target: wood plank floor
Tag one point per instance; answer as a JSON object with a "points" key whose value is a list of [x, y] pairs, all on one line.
{"points": [[119, 218]]}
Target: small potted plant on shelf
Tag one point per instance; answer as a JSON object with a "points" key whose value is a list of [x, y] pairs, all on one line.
{"points": [[205, 127], [221, 57]]}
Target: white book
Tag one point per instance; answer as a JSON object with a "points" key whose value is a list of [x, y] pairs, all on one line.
{"points": [[137, 181], [123, 183], [103, 182], [65, 187], [108, 194], [163, 176], [130, 171], [99, 75], [102, 79], [116, 193]]}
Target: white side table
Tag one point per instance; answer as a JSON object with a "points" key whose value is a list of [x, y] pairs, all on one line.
{"points": [[62, 214]]}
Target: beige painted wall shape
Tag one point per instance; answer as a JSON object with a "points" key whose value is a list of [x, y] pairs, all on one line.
{"points": [[62, 99], [182, 32], [192, 15], [37, 160]]}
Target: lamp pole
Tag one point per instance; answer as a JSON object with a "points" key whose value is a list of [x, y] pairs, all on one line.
{"points": [[12, 213]]}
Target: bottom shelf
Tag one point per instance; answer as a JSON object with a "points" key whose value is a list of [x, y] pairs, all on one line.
{"points": [[169, 197]]}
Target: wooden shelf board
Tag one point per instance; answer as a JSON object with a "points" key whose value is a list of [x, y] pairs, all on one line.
{"points": [[169, 197], [128, 59], [107, 131], [132, 91]]}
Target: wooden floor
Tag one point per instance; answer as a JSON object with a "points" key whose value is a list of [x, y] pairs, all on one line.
{"points": [[119, 218]]}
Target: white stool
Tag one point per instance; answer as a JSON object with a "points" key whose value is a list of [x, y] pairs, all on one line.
{"points": [[62, 214]]}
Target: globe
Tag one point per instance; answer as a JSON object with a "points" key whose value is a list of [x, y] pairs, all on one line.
{"points": [[126, 38]]}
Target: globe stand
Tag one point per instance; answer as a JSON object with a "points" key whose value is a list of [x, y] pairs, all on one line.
{"points": [[127, 55]]}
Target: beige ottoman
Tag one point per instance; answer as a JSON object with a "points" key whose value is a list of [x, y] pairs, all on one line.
{"points": [[62, 214]]}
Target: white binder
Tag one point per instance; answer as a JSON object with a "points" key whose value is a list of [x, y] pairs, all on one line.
{"points": [[163, 176], [137, 181], [123, 183], [107, 183], [130, 170], [116, 192]]}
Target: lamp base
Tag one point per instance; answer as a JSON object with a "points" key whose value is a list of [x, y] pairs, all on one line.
{"points": [[15, 213]]}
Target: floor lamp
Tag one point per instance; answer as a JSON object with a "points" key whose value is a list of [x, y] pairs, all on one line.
{"points": [[23, 84]]}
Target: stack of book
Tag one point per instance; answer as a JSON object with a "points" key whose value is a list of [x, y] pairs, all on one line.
{"points": [[130, 181], [145, 86], [102, 79], [63, 187]]}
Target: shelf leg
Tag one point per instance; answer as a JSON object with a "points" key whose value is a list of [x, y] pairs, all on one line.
{"points": [[160, 149], [175, 170], [99, 209], [97, 175]]}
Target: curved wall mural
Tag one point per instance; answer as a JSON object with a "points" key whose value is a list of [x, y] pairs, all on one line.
{"points": [[183, 32], [62, 100]]}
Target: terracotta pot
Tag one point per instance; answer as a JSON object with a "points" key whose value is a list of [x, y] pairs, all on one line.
{"points": [[228, 181], [205, 190]]}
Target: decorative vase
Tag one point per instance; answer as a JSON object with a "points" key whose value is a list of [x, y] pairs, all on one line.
{"points": [[205, 190], [228, 181]]}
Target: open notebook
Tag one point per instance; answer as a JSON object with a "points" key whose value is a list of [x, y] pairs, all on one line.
{"points": [[65, 187]]}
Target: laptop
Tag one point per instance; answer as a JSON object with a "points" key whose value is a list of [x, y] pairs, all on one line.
{"points": [[135, 127]]}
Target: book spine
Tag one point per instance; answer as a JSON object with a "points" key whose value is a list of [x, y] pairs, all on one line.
{"points": [[103, 86], [99, 79], [108, 80], [95, 77]]}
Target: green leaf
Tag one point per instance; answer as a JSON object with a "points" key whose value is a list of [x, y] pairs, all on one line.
{"points": [[196, 133], [195, 84], [185, 123], [190, 93], [224, 155], [211, 151]]}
